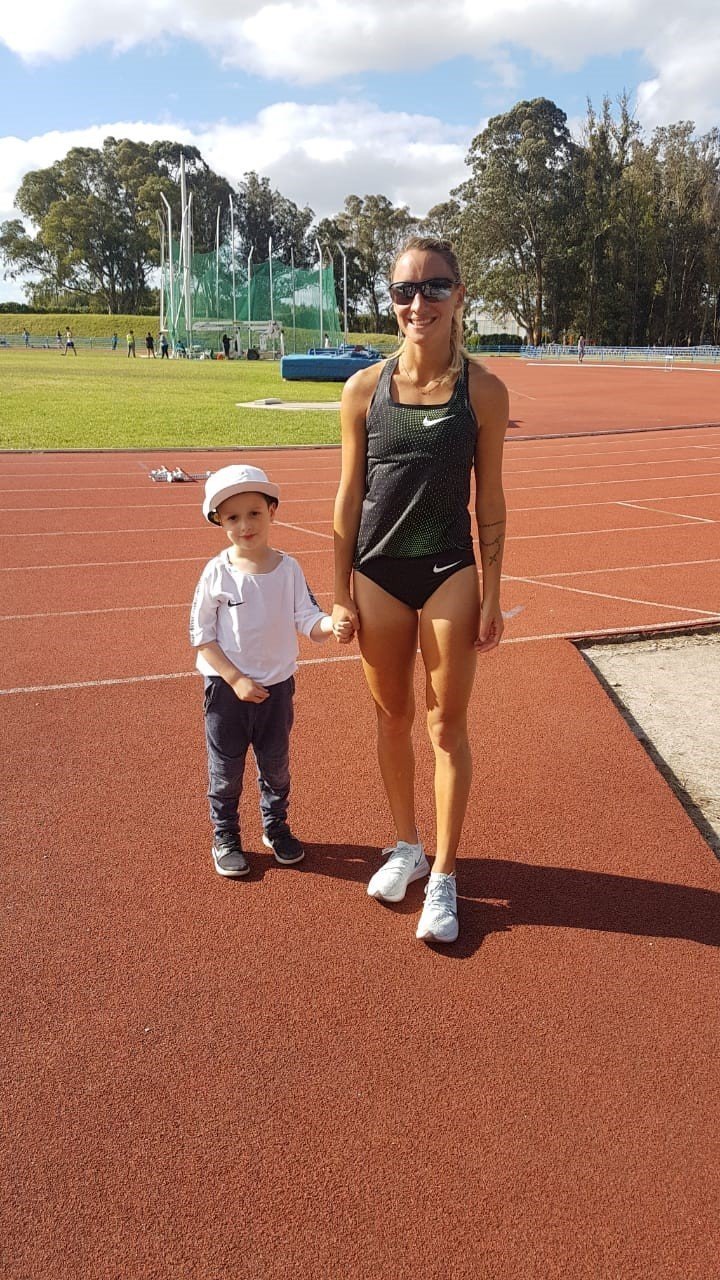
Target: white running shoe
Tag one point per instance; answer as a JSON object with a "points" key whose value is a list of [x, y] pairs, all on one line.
{"points": [[439, 920], [406, 863]]}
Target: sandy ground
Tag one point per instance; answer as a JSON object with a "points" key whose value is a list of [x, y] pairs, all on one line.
{"points": [[668, 690]]}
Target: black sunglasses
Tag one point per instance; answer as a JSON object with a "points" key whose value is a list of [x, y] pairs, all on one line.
{"points": [[436, 290]]}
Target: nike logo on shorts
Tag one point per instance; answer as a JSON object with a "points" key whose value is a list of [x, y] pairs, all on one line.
{"points": [[443, 568], [431, 422]]}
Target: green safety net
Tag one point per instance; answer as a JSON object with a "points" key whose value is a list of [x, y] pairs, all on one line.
{"points": [[271, 298]]}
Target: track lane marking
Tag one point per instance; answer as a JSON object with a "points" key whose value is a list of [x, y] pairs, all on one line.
{"points": [[630, 568], [639, 506], [607, 595], [650, 628]]}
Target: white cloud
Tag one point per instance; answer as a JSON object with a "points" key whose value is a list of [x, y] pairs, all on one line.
{"points": [[314, 41], [313, 154]]}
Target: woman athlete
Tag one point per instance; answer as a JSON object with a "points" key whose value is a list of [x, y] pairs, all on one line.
{"points": [[413, 430]]}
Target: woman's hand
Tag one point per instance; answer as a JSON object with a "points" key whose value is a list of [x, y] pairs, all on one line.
{"points": [[345, 621], [491, 626]]}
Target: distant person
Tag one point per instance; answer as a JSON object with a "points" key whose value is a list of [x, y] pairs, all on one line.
{"points": [[26, 337], [69, 342], [581, 348], [130, 339], [326, 342], [59, 340], [114, 342], [248, 657], [164, 346], [149, 345], [226, 346]]}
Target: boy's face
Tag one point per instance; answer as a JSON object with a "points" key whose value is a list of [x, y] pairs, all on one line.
{"points": [[246, 519]]}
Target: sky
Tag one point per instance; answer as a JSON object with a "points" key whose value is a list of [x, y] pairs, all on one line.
{"points": [[328, 98]]}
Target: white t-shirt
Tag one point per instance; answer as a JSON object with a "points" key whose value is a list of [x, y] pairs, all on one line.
{"points": [[253, 617]]}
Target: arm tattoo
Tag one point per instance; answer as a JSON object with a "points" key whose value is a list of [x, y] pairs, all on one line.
{"points": [[493, 544]]}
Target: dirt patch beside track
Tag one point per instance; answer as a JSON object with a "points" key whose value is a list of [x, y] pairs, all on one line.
{"points": [[668, 690]]}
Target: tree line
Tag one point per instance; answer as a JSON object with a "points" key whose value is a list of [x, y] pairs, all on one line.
{"points": [[616, 235]]}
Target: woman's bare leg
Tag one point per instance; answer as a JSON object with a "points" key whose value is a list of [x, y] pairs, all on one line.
{"points": [[448, 628], [388, 645]]}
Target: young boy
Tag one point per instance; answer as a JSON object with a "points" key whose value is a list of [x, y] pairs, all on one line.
{"points": [[248, 605]]}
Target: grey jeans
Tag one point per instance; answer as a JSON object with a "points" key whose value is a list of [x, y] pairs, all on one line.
{"points": [[231, 726]]}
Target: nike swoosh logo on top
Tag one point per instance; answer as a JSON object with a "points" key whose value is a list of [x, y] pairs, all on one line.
{"points": [[443, 568], [431, 422], [419, 859]]}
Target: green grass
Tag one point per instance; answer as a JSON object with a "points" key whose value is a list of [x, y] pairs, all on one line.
{"points": [[101, 400], [83, 325]]}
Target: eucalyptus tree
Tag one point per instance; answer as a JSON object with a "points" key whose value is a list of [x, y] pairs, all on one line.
{"points": [[262, 213], [514, 211], [93, 229], [375, 228]]}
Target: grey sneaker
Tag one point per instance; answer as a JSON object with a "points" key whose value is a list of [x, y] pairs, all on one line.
{"points": [[228, 856], [406, 863], [439, 920]]}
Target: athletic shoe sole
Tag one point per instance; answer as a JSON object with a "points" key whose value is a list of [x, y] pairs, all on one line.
{"points": [[283, 862], [416, 874], [428, 936]]}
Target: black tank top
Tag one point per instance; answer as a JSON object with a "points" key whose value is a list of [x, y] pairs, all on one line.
{"points": [[417, 481]]}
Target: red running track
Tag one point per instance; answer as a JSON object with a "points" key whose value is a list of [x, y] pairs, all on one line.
{"points": [[552, 398], [269, 1079]]}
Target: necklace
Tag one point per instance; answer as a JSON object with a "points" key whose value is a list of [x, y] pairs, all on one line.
{"points": [[424, 387]]}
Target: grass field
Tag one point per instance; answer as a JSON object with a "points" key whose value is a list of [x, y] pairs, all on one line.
{"points": [[101, 400]]}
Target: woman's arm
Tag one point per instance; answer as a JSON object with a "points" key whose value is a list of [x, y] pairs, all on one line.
{"points": [[489, 399], [356, 397]]}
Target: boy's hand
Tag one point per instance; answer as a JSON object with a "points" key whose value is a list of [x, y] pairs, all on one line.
{"points": [[345, 622], [248, 691]]}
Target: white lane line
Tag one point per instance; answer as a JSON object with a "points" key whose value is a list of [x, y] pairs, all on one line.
{"points": [[301, 529], [299, 502], [606, 595], [608, 466], [111, 564], [680, 523], [524, 394], [609, 502], [172, 675], [520, 537], [560, 506], [642, 629], [120, 608], [152, 506], [100, 488], [100, 564], [589, 484], [639, 629], [567, 457], [584, 533], [629, 568], [88, 613], [640, 506], [95, 533]]}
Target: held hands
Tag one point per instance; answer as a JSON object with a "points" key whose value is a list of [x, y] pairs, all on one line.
{"points": [[345, 621], [491, 626], [247, 690]]}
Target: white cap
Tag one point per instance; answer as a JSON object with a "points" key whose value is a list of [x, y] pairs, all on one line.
{"points": [[228, 481]]}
